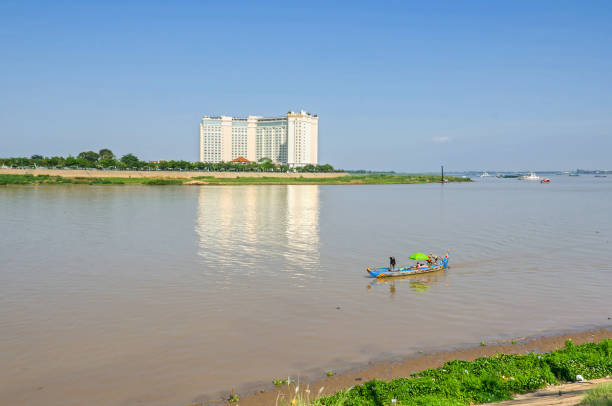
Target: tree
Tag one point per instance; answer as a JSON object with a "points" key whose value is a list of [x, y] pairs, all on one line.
{"points": [[71, 161], [84, 163], [267, 165], [106, 153], [89, 156], [130, 160], [36, 157], [108, 162]]}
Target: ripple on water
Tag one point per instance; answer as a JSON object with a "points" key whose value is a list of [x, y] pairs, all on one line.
{"points": [[193, 290]]}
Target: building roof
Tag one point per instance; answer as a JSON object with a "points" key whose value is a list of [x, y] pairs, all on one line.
{"points": [[241, 159]]}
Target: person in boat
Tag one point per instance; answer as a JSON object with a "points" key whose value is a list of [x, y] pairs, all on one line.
{"points": [[391, 263]]}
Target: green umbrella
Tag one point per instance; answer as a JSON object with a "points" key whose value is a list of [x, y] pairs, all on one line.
{"points": [[419, 256]]}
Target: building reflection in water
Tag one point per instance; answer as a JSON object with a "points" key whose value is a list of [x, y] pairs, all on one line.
{"points": [[259, 229]]}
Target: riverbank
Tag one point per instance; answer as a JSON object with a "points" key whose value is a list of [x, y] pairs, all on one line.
{"points": [[99, 177], [389, 370]]}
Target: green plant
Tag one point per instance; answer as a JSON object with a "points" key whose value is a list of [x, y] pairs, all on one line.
{"points": [[600, 395], [330, 373], [483, 344], [280, 382], [233, 397]]}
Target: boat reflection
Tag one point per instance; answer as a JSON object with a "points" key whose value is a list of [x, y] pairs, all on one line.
{"points": [[417, 283]]}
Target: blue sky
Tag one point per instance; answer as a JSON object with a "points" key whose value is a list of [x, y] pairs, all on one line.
{"points": [[398, 85]]}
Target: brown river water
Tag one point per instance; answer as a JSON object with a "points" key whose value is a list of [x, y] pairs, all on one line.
{"points": [[122, 295]]}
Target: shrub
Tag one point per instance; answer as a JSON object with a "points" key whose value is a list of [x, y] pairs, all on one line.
{"points": [[163, 182]]}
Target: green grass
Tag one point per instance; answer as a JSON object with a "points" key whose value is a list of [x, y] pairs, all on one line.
{"points": [[484, 380], [377, 179], [17, 179], [600, 395], [29, 179], [374, 179], [156, 181]]}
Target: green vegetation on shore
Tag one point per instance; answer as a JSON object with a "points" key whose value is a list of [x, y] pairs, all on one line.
{"points": [[29, 179], [487, 379], [340, 180], [105, 159], [600, 395]]}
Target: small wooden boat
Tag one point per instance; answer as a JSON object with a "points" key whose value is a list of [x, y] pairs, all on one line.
{"points": [[410, 270]]}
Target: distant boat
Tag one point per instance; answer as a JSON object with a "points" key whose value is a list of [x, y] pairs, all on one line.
{"points": [[531, 176], [574, 174], [600, 176], [545, 180], [485, 174], [511, 176]]}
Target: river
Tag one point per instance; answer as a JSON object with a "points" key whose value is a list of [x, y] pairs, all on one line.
{"points": [[118, 295]]}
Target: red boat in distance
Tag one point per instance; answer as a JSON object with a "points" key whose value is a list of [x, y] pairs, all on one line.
{"points": [[545, 180]]}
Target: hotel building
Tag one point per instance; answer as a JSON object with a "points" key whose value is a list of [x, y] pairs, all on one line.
{"points": [[291, 140]]}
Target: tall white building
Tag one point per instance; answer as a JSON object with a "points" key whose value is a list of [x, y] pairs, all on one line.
{"points": [[291, 140]]}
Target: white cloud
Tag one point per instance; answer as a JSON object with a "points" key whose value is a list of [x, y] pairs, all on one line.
{"points": [[440, 140]]}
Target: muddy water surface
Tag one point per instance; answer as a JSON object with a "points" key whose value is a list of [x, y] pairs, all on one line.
{"points": [[118, 295]]}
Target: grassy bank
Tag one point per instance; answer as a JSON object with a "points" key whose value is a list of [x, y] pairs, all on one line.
{"points": [[600, 395], [374, 179], [58, 180], [487, 379]]}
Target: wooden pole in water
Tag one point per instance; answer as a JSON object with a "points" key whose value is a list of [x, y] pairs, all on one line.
{"points": [[442, 177]]}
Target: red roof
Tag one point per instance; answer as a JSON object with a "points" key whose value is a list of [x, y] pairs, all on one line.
{"points": [[241, 159]]}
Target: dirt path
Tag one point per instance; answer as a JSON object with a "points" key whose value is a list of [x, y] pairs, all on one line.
{"points": [[567, 394]]}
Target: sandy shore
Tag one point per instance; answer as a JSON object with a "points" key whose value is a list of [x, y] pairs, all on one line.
{"points": [[401, 368], [96, 173]]}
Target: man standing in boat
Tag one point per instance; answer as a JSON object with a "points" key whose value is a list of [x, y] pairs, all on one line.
{"points": [[391, 263]]}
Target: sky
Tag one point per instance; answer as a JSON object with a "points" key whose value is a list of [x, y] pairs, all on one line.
{"points": [[398, 85]]}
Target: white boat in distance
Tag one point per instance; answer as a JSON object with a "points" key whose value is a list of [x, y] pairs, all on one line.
{"points": [[485, 174], [531, 176]]}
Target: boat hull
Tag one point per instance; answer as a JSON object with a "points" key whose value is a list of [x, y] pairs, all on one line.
{"points": [[386, 272]]}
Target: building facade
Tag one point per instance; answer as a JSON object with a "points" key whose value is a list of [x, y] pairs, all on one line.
{"points": [[290, 140]]}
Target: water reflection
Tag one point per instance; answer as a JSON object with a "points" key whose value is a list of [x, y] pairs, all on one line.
{"points": [[258, 229], [417, 283]]}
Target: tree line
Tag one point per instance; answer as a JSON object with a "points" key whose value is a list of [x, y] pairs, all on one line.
{"points": [[106, 159]]}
